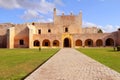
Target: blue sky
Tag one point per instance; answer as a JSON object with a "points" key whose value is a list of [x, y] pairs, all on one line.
{"points": [[104, 14]]}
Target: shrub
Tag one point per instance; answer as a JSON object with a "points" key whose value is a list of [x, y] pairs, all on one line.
{"points": [[118, 48]]}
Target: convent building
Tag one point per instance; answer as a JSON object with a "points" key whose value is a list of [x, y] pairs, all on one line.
{"points": [[64, 31]]}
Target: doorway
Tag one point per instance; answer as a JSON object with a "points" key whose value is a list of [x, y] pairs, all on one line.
{"points": [[67, 42]]}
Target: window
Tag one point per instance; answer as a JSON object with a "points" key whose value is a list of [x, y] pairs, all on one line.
{"points": [[66, 29], [49, 30], [39, 31], [21, 42], [33, 23]]}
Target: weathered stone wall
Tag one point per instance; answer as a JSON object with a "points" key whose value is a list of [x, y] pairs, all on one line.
{"points": [[94, 37], [21, 33], [3, 34], [90, 30], [72, 22], [50, 37]]}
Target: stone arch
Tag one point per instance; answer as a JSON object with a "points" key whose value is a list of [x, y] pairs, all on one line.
{"points": [[78, 42], [46, 42], [89, 42], [99, 42], [36, 43], [55, 43], [67, 42], [109, 42]]}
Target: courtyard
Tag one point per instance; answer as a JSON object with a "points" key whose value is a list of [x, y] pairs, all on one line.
{"points": [[16, 64], [70, 64]]}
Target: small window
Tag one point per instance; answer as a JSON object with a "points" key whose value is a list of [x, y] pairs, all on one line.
{"points": [[66, 29], [21, 42], [39, 31], [49, 30], [33, 23]]}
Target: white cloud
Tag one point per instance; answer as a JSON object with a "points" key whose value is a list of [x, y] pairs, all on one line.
{"points": [[88, 24], [9, 4], [111, 28], [106, 28], [45, 20], [59, 2], [33, 8], [31, 14]]}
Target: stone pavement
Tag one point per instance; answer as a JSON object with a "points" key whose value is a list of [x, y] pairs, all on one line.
{"points": [[69, 64]]}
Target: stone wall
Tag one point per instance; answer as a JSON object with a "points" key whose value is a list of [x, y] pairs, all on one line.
{"points": [[3, 34], [21, 33]]}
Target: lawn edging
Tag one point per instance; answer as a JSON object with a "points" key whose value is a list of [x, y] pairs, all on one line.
{"points": [[39, 66]]}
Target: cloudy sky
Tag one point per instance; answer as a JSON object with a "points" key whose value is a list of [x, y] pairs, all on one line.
{"points": [[102, 13]]}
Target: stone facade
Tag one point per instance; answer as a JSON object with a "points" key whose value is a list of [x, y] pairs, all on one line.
{"points": [[64, 31]]}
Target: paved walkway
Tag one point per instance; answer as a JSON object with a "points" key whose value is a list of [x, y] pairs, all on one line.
{"points": [[69, 64]]}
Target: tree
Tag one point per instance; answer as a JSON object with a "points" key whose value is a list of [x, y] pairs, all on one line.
{"points": [[118, 29], [100, 31]]}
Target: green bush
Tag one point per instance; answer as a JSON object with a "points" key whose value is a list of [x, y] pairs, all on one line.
{"points": [[118, 48]]}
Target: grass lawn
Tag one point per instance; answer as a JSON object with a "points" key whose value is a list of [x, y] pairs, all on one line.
{"points": [[106, 56], [17, 63]]}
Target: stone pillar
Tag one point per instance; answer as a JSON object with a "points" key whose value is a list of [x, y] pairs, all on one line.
{"points": [[104, 43], [30, 38], [10, 37], [83, 43], [31, 29]]}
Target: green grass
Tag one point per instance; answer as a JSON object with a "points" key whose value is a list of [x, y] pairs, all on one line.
{"points": [[15, 64], [106, 56]]}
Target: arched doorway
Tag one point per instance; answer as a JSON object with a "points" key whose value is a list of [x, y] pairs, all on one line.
{"points": [[78, 43], [46, 43], [67, 42], [109, 42], [89, 42], [99, 42], [55, 43], [36, 43]]}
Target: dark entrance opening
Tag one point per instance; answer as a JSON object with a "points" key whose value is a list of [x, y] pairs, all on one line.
{"points": [[67, 42], [109, 42], [36, 43], [89, 43]]}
